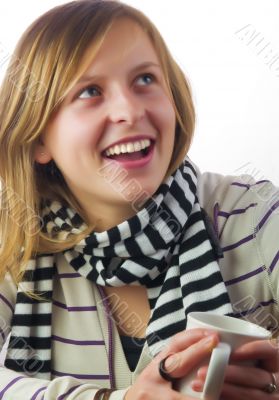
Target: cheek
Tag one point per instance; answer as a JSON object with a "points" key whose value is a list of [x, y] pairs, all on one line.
{"points": [[169, 122], [167, 119], [166, 110], [70, 131]]}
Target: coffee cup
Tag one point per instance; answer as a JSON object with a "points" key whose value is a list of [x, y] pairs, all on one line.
{"points": [[233, 333]]}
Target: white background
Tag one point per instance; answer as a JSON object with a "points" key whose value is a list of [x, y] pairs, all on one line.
{"points": [[235, 89]]}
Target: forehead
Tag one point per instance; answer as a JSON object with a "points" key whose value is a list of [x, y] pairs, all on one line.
{"points": [[125, 44]]}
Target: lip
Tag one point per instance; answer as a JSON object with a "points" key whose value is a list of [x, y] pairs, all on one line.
{"points": [[129, 139], [136, 163]]}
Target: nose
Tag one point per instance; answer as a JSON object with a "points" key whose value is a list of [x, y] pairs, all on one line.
{"points": [[125, 106]]}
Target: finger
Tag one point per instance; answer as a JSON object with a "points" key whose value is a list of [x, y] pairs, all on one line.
{"points": [[263, 350], [180, 364], [232, 392], [185, 340], [197, 385], [260, 349], [251, 377], [182, 341]]}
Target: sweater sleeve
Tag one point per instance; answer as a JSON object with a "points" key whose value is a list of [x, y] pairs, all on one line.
{"points": [[245, 214], [8, 292], [267, 232], [17, 386]]}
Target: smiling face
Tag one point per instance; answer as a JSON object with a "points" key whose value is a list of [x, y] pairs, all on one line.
{"points": [[122, 97]]}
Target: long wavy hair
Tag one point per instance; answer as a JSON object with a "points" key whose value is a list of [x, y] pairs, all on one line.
{"points": [[51, 56]]}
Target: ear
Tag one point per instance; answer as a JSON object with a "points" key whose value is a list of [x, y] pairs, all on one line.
{"points": [[41, 154]]}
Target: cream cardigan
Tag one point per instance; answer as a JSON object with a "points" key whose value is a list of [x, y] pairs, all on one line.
{"points": [[246, 218]]}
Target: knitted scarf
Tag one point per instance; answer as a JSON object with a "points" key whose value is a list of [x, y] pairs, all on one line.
{"points": [[166, 246]]}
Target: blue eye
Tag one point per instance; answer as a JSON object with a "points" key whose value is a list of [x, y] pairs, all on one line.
{"points": [[149, 77], [94, 91], [89, 92]]}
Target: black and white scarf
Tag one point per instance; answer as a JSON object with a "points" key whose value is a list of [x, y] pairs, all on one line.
{"points": [[166, 247]]}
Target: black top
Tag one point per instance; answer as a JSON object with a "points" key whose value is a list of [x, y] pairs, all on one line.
{"points": [[132, 347]]}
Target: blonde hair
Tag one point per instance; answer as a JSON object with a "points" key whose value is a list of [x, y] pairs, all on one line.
{"points": [[50, 57]]}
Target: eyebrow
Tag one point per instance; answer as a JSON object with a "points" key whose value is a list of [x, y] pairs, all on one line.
{"points": [[146, 64]]}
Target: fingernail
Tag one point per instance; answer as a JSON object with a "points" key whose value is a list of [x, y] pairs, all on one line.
{"points": [[197, 386], [209, 342], [172, 362]]}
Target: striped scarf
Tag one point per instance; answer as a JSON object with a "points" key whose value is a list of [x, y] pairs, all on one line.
{"points": [[166, 246]]}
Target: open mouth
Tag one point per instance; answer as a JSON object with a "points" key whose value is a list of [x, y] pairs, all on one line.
{"points": [[131, 156]]}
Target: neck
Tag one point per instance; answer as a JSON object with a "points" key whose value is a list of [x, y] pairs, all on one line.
{"points": [[104, 218]]}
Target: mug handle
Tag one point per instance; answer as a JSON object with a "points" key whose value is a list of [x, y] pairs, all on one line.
{"points": [[216, 372]]}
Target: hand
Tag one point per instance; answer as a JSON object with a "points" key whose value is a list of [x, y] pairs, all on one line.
{"points": [[244, 382], [185, 350]]}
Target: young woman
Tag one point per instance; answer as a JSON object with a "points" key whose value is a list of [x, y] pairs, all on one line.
{"points": [[105, 242]]}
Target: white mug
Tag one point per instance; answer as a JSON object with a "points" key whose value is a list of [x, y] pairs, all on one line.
{"points": [[233, 333]]}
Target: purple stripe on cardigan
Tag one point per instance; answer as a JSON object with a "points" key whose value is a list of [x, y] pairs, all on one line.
{"points": [[80, 376], [78, 342], [110, 331], [241, 184], [38, 392], [251, 310], [262, 181], [74, 308], [244, 277], [6, 301], [236, 211], [274, 262], [248, 185], [12, 382], [215, 218], [69, 275], [63, 396], [2, 334], [259, 226], [239, 243], [267, 215]]}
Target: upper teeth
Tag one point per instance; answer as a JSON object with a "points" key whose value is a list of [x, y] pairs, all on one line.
{"points": [[128, 147]]}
